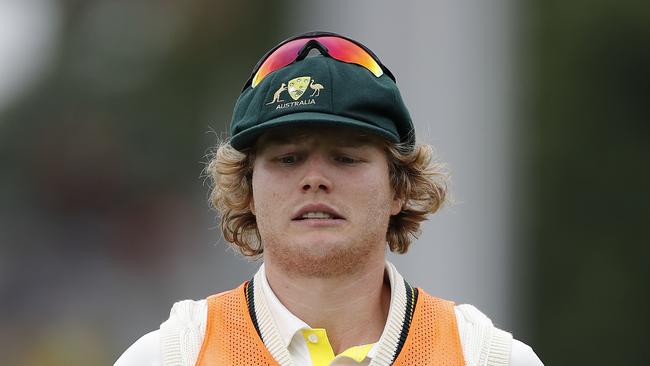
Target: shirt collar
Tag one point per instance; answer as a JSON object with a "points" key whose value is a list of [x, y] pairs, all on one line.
{"points": [[289, 325]]}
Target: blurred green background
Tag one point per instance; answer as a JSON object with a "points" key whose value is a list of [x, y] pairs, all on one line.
{"points": [[106, 121], [589, 66]]}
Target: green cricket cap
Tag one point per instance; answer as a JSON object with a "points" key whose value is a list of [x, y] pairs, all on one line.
{"points": [[321, 91]]}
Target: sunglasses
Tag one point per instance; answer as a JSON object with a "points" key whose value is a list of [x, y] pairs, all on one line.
{"points": [[329, 44]]}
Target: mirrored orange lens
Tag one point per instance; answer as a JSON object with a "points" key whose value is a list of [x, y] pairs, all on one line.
{"points": [[280, 58], [339, 48], [346, 51]]}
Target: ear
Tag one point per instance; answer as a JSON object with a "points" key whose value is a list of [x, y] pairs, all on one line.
{"points": [[396, 205]]}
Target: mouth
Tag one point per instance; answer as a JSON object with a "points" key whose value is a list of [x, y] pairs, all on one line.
{"points": [[317, 215], [317, 212]]}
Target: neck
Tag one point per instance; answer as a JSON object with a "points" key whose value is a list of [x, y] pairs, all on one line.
{"points": [[352, 308]]}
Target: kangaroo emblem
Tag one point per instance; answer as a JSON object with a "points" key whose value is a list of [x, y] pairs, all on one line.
{"points": [[276, 95]]}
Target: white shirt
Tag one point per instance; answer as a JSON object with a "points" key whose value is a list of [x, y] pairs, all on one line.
{"points": [[147, 350], [290, 330]]}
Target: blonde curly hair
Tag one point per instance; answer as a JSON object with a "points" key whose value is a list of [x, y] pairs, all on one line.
{"points": [[415, 175]]}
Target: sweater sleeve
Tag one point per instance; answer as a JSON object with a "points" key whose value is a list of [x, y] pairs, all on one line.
{"points": [[182, 334], [523, 355], [176, 343], [486, 345]]}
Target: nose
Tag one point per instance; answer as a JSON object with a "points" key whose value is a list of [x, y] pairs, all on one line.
{"points": [[316, 178]]}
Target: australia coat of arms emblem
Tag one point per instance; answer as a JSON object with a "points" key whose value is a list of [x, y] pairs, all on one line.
{"points": [[296, 88]]}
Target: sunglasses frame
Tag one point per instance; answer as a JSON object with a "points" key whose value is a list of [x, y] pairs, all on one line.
{"points": [[313, 43]]}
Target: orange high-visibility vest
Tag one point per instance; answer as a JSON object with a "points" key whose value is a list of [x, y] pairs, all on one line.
{"points": [[232, 336]]}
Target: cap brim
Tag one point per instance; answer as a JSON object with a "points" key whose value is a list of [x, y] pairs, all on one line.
{"points": [[248, 137]]}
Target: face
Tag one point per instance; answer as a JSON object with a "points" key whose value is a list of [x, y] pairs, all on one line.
{"points": [[322, 200]]}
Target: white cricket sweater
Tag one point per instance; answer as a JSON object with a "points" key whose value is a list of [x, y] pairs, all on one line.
{"points": [[179, 339]]}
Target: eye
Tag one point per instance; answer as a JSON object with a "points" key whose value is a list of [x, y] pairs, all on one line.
{"points": [[346, 159], [288, 159]]}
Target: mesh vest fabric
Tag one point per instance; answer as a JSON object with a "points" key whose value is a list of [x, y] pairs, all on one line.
{"points": [[232, 337], [433, 337]]}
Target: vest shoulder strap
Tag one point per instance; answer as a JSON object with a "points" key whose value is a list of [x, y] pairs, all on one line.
{"points": [[231, 335]]}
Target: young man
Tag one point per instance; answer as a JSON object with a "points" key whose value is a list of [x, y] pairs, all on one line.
{"points": [[320, 175]]}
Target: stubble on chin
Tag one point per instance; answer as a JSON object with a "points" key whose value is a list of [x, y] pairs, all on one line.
{"points": [[302, 261]]}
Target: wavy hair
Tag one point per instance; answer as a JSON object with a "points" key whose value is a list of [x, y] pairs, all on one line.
{"points": [[417, 178]]}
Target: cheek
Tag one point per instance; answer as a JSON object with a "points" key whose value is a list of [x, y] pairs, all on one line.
{"points": [[267, 194], [259, 193], [374, 192]]}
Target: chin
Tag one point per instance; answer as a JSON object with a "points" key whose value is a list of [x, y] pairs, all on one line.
{"points": [[320, 256]]}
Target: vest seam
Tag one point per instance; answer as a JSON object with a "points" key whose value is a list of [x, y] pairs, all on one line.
{"points": [[208, 326]]}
